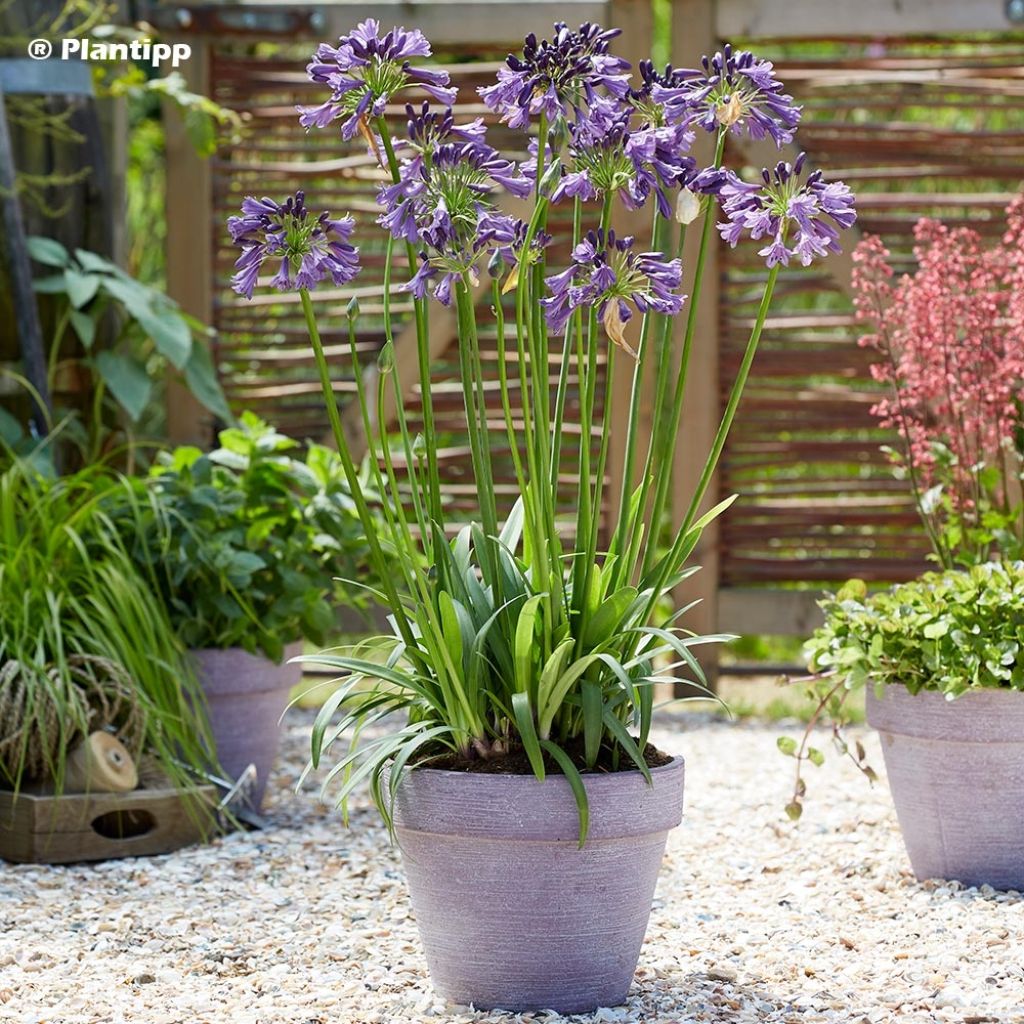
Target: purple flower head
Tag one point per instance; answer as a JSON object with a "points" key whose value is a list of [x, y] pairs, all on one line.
{"points": [[313, 248], [443, 196], [451, 257], [556, 76], [800, 219], [608, 155], [650, 111], [733, 90], [607, 275], [428, 128], [442, 202], [364, 71]]}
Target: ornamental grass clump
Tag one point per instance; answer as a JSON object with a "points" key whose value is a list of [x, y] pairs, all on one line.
{"points": [[511, 644], [950, 341]]}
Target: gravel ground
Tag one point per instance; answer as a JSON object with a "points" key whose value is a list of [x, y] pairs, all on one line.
{"points": [[754, 919]]}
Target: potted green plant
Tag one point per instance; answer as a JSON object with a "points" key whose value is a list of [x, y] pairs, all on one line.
{"points": [[84, 642], [940, 657], [530, 808], [250, 547]]}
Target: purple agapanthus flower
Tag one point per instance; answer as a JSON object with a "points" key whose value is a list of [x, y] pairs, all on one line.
{"points": [[611, 154], [428, 129], [607, 275], [556, 76], [443, 203], [732, 90], [801, 219], [311, 248], [364, 71], [432, 197], [452, 256]]}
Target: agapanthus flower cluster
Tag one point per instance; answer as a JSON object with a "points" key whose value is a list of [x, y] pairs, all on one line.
{"points": [[364, 71], [311, 248], [733, 90], [443, 204], [607, 275], [558, 76], [800, 219], [952, 350]]}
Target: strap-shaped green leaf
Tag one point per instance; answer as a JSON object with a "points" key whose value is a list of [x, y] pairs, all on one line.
{"points": [[575, 781]]}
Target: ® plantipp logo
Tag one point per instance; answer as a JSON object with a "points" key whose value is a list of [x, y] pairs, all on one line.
{"points": [[142, 50]]}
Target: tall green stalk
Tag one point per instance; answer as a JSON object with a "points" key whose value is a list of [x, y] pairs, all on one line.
{"points": [[663, 463], [380, 564]]}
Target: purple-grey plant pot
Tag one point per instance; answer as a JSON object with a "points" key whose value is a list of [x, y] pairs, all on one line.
{"points": [[512, 913], [246, 696], [956, 771]]}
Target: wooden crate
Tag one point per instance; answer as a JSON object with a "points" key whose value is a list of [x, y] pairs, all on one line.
{"points": [[48, 829]]}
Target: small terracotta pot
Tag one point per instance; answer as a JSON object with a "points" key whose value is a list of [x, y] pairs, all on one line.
{"points": [[246, 696], [956, 771], [512, 913]]}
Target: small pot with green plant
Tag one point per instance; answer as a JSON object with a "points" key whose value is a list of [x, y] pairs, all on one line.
{"points": [[85, 644], [251, 547], [504, 724], [941, 659]]}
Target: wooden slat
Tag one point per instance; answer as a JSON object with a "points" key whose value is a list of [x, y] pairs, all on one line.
{"points": [[778, 19]]}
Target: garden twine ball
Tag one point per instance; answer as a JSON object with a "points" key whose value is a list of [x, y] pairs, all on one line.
{"points": [[33, 731]]}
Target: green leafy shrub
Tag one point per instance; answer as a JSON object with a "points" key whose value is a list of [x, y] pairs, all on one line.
{"points": [[948, 632], [249, 545]]}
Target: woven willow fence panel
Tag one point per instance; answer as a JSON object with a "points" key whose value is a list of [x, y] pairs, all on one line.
{"points": [[929, 127]]}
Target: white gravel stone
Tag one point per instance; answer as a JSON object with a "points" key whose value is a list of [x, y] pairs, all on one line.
{"points": [[755, 919]]}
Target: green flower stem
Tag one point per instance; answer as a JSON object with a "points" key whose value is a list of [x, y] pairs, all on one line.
{"points": [[542, 531], [584, 564], [506, 405], [663, 464], [382, 566], [671, 563], [563, 370], [624, 526], [654, 443], [476, 411], [386, 506], [404, 545], [422, 521], [422, 320]]}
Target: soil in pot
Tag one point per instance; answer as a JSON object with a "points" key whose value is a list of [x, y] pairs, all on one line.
{"points": [[515, 761], [956, 771]]}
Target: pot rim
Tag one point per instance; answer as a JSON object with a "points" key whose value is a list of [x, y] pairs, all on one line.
{"points": [[675, 764], [521, 807], [986, 714]]}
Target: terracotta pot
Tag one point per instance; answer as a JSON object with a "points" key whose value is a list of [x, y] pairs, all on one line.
{"points": [[512, 913], [956, 771], [246, 696]]}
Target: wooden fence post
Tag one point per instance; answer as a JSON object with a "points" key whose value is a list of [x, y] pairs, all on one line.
{"points": [[189, 246], [693, 34]]}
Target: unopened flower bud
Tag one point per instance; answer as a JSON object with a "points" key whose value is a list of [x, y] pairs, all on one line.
{"points": [[495, 265], [419, 448], [551, 177], [352, 310], [687, 206], [386, 358]]}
